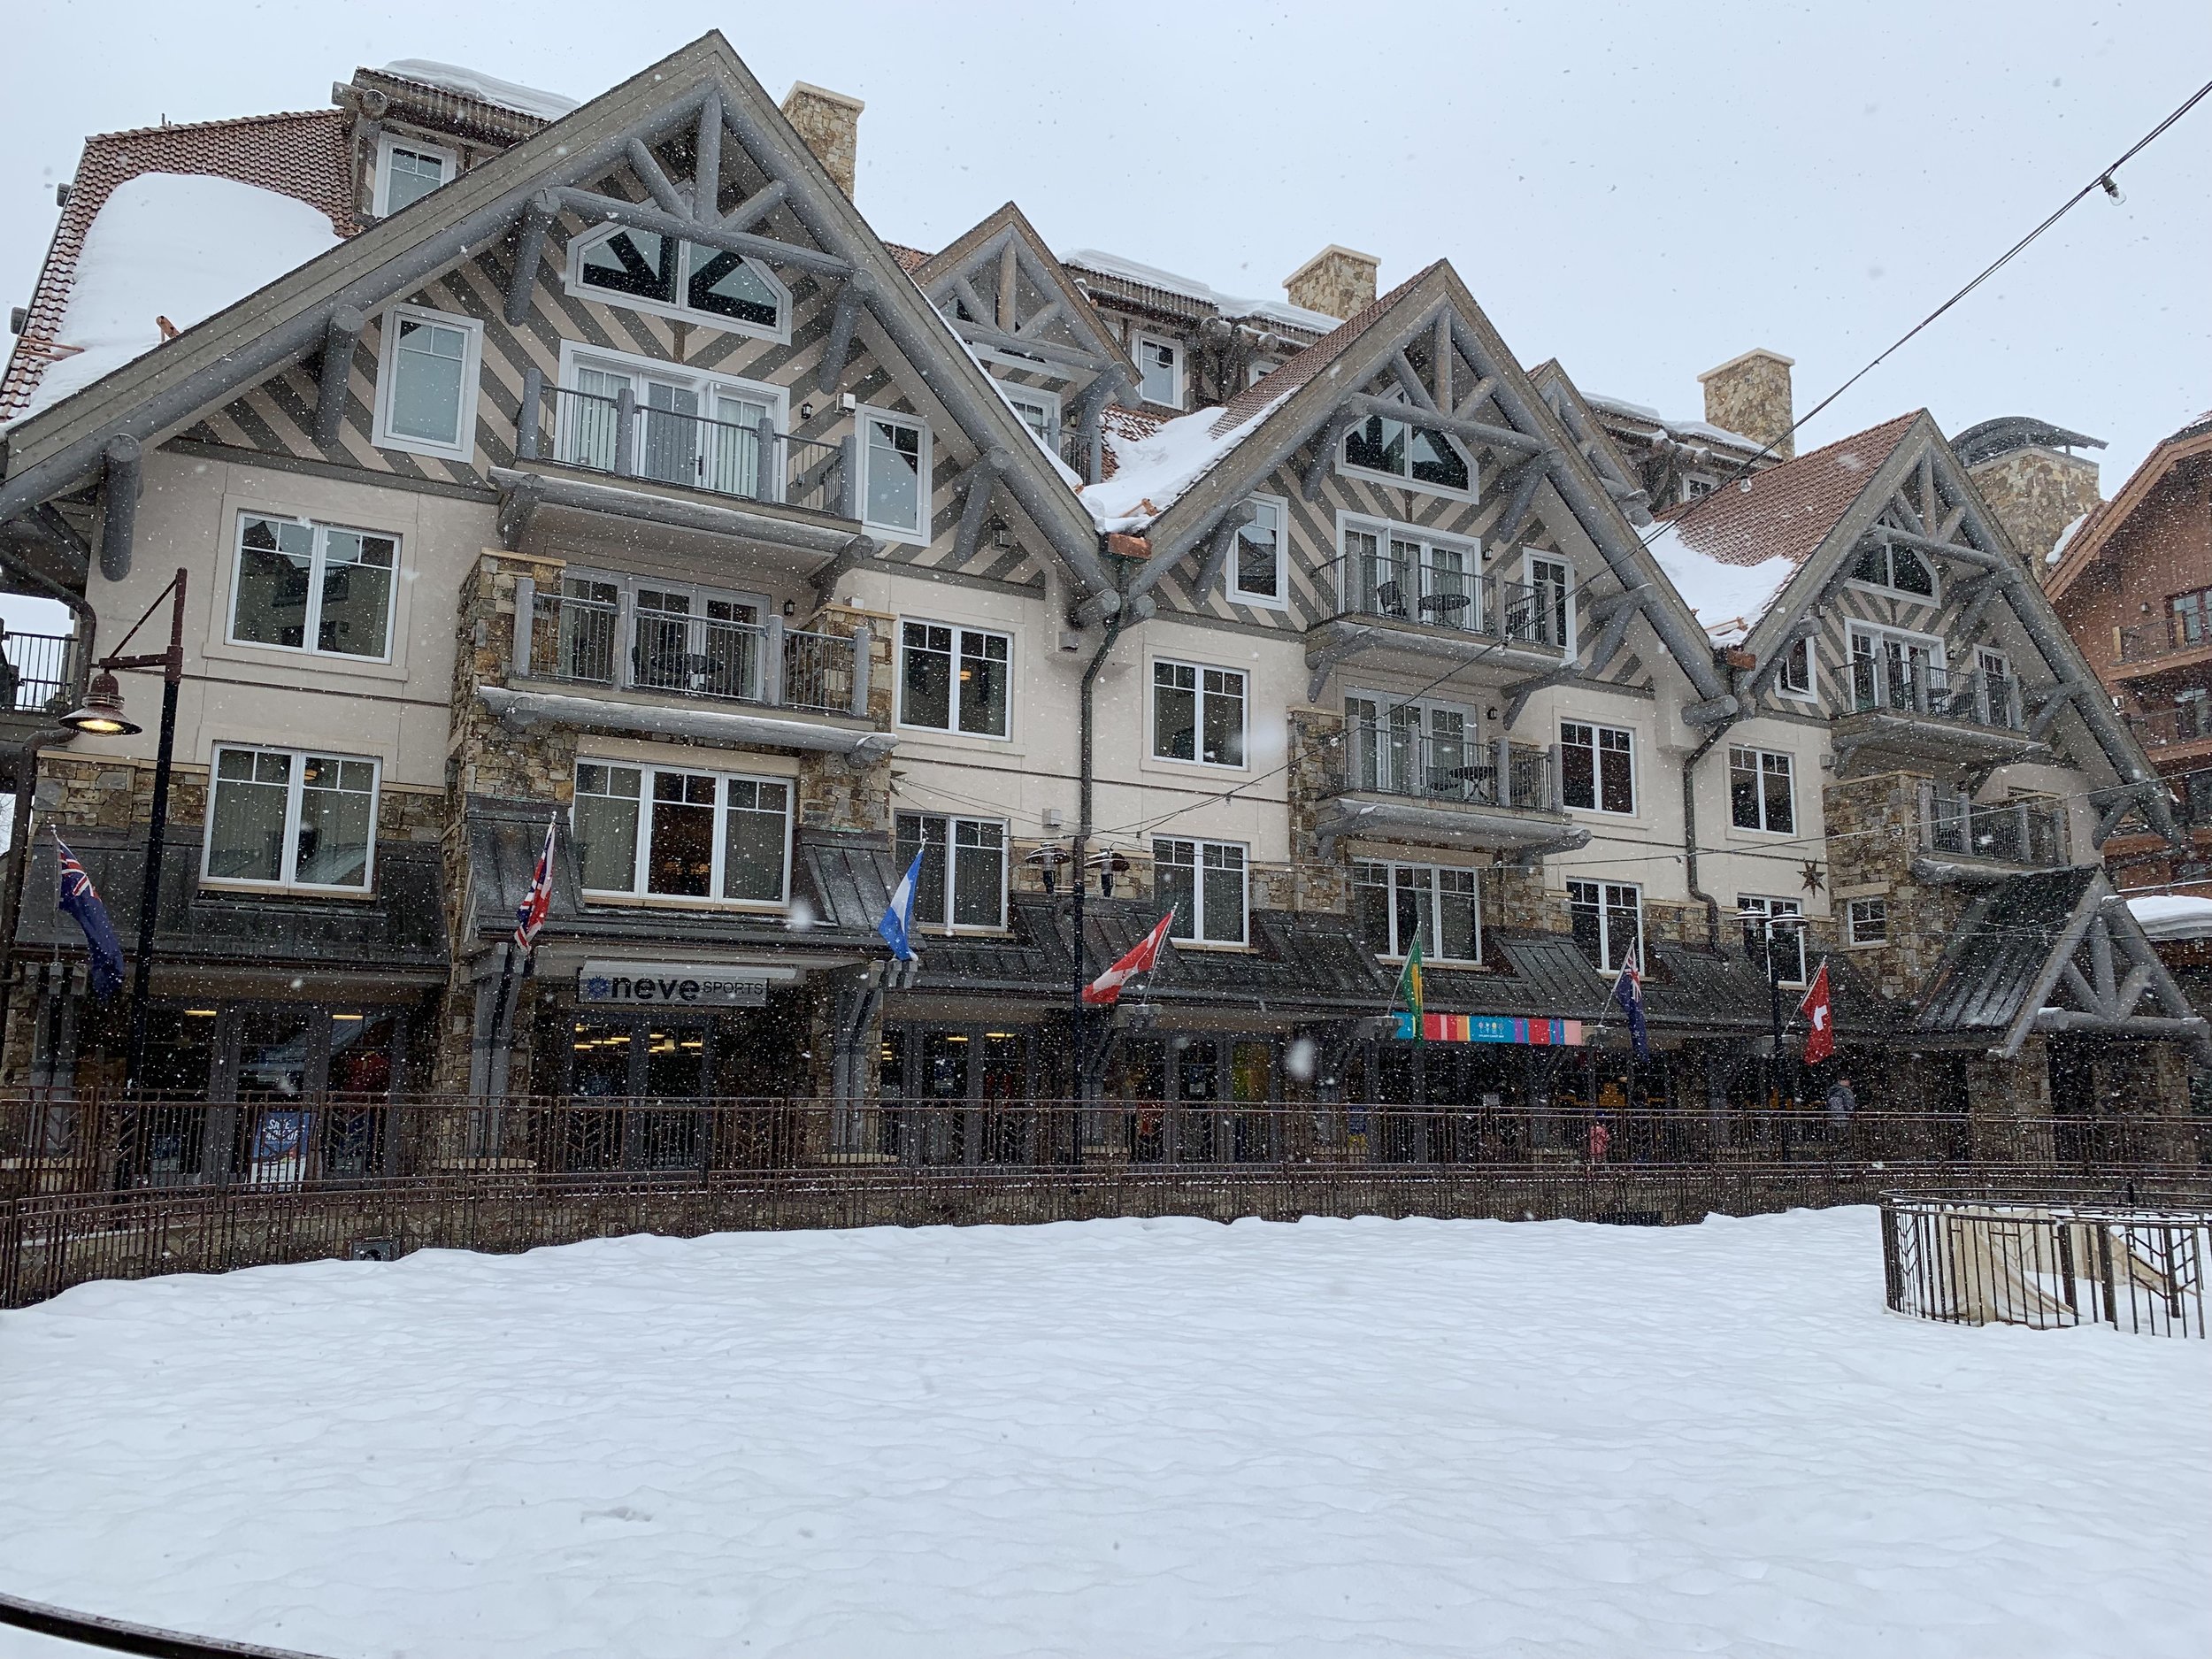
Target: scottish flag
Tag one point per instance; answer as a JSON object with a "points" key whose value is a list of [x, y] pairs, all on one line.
{"points": [[81, 900], [897, 925]]}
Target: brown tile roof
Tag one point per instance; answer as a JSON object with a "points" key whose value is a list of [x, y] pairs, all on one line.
{"points": [[911, 259], [303, 155], [1788, 510]]}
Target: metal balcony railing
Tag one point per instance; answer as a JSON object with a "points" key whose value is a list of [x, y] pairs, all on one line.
{"points": [[1401, 589], [2144, 641], [624, 438], [591, 643], [38, 672], [1976, 698], [1418, 765], [2030, 831], [2188, 721]]}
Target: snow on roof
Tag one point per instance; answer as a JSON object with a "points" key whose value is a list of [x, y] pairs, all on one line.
{"points": [[175, 245], [1191, 288], [1728, 599], [1674, 428], [1150, 473], [2065, 538], [2172, 916], [470, 83]]}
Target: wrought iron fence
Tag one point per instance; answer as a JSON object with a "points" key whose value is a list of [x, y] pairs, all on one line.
{"points": [[585, 640], [747, 458], [2028, 831], [38, 672], [1400, 586], [124, 1188], [1975, 698], [1394, 760], [1978, 1261]]}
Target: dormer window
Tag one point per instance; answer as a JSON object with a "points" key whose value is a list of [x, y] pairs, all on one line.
{"points": [[1160, 371], [1405, 452], [1899, 569], [681, 279], [407, 171]]}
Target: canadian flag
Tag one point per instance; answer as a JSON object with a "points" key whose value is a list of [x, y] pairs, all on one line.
{"points": [[1820, 1018], [1102, 991]]}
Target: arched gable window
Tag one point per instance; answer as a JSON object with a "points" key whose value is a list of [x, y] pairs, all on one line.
{"points": [[1401, 451], [681, 279]]}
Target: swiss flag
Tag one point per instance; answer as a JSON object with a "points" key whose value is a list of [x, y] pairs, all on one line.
{"points": [[1820, 1018], [1102, 991]]}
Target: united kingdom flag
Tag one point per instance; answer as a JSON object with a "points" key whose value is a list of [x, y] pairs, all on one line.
{"points": [[531, 913]]}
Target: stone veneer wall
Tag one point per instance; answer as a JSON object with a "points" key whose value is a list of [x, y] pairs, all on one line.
{"points": [[829, 123], [1336, 281], [1751, 395], [2036, 492], [1873, 826]]}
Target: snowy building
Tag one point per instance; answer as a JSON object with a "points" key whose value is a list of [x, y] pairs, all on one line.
{"points": [[599, 466]]}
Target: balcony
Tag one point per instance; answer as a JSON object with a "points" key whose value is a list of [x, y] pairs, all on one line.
{"points": [[2172, 645], [2028, 832], [1400, 603], [745, 460], [1395, 783], [624, 666], [38, 675], [1917, 712]]}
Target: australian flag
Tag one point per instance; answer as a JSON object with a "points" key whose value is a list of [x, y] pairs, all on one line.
{"points": [[81, 900], [1628, 991]]}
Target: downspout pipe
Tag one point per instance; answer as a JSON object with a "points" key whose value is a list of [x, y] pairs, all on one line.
{"points": [[1689, 832], [1087, 728]]}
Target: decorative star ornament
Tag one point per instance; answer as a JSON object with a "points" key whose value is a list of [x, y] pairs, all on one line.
{"points": [[1811, 873]]}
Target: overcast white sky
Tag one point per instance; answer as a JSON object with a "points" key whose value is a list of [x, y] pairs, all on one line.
{"points": [[1642, 189]]}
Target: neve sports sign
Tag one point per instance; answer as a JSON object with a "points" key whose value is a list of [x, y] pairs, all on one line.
{"points": [[677, 984]]}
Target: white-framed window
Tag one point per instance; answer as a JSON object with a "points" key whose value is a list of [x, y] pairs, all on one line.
{"points": [[1259, 562], [895, 463], [1548, 581], [668, 831], [407, 170], [1789, 941], [1198, 713], [1441, 906], [1404, 574], [425, 383], [1260, 369], [1406, 454], [298, 586], [1870, 921], [954, 678], [1762, 793], [1695, 486], [1891, 669], [1899, 570], [1608, 918], [1040, 411], [1795, 677], [963, 883], [1414, 746], [1205, 882], [1159, 369], [288, 817], [1597, 767], [650, 273], [697, 430]]}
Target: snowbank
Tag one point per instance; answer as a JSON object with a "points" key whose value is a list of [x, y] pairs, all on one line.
{"points": [[1164, 1439], [175, 245], [2173, 915], [470, 83], [1728, 599]]}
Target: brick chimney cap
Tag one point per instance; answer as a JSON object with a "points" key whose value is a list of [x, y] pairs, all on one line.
{"points": [[1746, 356], [846, 98], [1334, 248]]}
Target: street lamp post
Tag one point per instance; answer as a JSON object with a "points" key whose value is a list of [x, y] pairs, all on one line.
{"points": [[102, 716]]}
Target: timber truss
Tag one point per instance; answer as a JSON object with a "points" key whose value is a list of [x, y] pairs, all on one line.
{"points": [[683, 108], [2103, 978]]}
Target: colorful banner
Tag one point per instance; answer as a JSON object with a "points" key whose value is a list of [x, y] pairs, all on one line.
{"points": [[1542, 1033]]}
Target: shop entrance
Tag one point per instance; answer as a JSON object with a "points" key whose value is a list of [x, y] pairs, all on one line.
{"points": [[638, 1063]]}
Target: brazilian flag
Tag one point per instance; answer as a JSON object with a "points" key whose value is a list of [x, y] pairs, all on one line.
{"points": [[1409, 987]]}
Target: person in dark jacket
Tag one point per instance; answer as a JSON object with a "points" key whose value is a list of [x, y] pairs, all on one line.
{"points": [[1843, 1105]]}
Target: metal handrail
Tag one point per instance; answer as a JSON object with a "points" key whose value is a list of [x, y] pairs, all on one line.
{"points": [[1975, 698], [1381, 759], [624, 438], [38, 672], [1394, 589], [2029, 831], [579, 639]]}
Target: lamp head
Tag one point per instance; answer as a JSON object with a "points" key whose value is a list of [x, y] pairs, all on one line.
{"points": [[101, 715]]}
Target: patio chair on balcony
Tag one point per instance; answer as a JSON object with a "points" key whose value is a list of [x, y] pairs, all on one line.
{"points": [[1390, 600]]}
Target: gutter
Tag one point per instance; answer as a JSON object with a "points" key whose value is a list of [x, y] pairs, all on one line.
{"points": [[1689, 831]]}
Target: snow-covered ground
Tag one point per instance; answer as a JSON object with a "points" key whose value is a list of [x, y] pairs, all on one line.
{"points": [[1142, 1440]]}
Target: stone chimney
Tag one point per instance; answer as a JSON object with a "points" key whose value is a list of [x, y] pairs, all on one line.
{"points": [[830, 123], [1335, 281], [1751, 395], [2036, 492]]}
